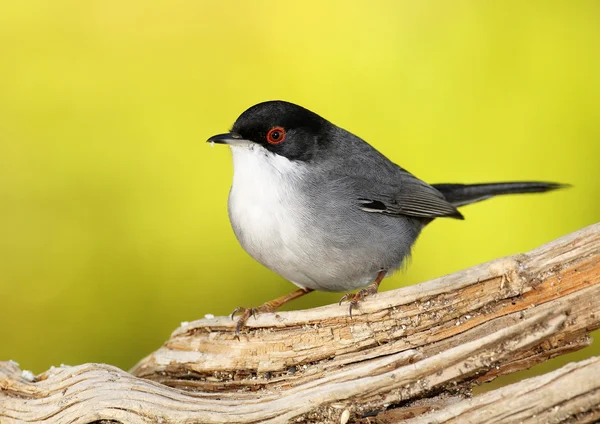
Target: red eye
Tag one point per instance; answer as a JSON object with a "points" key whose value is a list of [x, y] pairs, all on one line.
{"points": [[276, 135]]}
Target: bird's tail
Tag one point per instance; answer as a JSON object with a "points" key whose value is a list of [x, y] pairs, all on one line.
{"points": [[465, 194]]}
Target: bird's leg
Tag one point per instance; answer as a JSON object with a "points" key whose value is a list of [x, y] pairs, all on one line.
{"points": [[361, 294], [269, 306]]}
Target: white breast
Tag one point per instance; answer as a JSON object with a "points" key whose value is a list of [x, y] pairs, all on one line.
{"points": [[265, 209]]}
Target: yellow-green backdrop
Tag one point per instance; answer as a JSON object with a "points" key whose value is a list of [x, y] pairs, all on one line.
{"points": [[113, 216]]}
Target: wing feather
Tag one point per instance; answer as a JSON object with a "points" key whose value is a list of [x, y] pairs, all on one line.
{"points": [[410, 197]]}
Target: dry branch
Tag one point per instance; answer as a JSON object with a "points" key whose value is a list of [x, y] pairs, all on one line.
{"points": [[569, 394], [403, 353]]}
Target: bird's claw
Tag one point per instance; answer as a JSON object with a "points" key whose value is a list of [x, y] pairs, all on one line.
{"points": [[245, 314], [354, 298], [345, 297], [235, 311], [357, 297], [270, 306], [253, 312]]}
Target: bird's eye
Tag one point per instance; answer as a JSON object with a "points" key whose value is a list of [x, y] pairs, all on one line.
{"points": [[276, 135]]}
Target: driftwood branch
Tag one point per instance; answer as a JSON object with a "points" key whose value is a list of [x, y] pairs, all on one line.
{"points": [[569, 394], [405, 353]]}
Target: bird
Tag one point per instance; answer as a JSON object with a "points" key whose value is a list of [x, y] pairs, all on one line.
{"points": [[327, 211]]}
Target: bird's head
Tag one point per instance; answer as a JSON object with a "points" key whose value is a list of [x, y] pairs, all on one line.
{"points": [[282, 128]]}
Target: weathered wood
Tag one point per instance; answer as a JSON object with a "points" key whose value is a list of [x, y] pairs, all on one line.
{"points": [[403, 352], [569, 394]]}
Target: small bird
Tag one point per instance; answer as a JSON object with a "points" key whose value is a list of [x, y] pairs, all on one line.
{"points": [[324, 209]]}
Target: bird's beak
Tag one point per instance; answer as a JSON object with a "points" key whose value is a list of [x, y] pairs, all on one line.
{"points": [[233, 139]]}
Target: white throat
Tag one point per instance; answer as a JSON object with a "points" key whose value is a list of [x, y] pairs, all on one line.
{"points": [[256, 164]]}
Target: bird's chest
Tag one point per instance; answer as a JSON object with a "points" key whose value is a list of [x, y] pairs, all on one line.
{"points": [[265, 206], [262, 218]]}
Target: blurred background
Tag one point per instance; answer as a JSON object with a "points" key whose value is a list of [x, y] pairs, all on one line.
{"points": [[113, 209]]}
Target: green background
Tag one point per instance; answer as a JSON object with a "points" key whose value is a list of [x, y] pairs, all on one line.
{"points": [[113, 209]]}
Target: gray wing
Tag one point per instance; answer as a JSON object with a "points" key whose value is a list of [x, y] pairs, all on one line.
{"points": [[406, 196], [389, 189]]}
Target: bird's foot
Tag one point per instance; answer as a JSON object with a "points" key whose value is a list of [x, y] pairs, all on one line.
{"points": [[270, 306], [247, 313], [355, 298]]}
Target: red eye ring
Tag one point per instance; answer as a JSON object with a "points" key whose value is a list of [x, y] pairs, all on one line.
{"points": [[276, 135]]}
